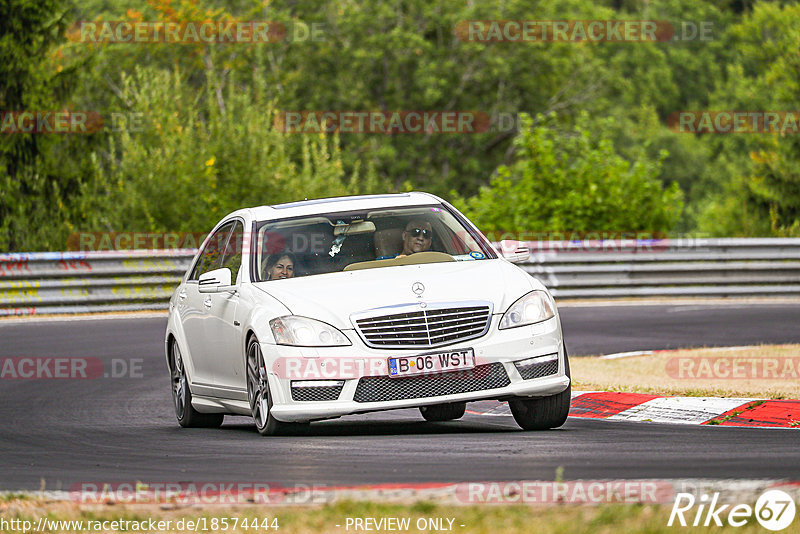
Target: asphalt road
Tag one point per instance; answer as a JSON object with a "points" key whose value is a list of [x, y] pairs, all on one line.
{"points": [[608, 329], [64, 432]]}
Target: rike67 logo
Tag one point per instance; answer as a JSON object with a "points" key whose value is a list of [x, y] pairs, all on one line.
{"points": [[774, 510]]}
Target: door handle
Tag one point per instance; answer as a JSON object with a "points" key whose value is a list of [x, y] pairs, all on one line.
{"points": [[182, 294], [207, 302]]}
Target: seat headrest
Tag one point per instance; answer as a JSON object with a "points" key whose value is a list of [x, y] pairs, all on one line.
{"points": [[388, 242]]}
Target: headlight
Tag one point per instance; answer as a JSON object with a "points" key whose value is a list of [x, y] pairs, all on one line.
{"points": [[305, 332], [532, 308]]}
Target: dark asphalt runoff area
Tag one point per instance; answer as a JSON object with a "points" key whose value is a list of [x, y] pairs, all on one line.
{"points": [[64, 432]]}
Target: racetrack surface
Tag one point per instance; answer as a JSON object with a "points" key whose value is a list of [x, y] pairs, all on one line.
{"points": [[609, 329], [123, 429]]}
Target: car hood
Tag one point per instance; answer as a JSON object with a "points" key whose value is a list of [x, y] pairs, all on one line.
{"points": [[334, 297]]}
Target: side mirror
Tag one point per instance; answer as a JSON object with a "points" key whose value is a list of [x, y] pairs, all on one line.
{"points": [[215, 281], [515, 251]]}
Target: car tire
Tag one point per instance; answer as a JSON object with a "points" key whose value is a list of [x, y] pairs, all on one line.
{"points": [[542, 413], [443, 412], [260, 398], [187, 416]]}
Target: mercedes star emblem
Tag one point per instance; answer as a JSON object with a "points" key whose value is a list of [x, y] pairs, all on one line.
{"points": [[418, 288]]}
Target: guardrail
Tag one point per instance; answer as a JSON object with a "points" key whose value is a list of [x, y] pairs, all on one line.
{"points": [[80, 282]]}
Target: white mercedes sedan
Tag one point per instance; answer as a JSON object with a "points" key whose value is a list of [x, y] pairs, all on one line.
{"points": [[313, 310]]}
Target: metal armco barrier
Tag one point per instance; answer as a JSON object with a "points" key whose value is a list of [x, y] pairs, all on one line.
{"points": [[81, 282], [668, 267]]}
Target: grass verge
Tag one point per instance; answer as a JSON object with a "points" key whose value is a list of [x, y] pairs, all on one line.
{"points": [[763, 372], [507, 519]]}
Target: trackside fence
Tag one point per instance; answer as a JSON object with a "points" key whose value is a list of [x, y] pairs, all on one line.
{"points": [[727, 267], [82, 282]]}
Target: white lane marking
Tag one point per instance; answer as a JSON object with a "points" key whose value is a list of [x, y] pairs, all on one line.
{"points": [[681, 410], [732, 349], [681, 309], [617, 355]]}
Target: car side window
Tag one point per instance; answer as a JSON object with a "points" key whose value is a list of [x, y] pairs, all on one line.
{"points": [[211, 256], [232, 259]]}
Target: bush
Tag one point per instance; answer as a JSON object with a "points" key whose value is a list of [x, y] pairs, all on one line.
{"points": [[573, 181]]}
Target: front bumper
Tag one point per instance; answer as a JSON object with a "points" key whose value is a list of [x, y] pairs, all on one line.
{"points": [[502, 347]]}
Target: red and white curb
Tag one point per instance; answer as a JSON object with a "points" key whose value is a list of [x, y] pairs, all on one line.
{"points": [[686, 410], [616, 406]]}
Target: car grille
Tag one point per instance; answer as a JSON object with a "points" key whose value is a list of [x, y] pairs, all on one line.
{"points": [[432, 326], [538, 370], [316, 393], [384, 388]]}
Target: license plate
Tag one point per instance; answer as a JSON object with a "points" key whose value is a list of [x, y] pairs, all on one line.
{"points": [[435, 362]]}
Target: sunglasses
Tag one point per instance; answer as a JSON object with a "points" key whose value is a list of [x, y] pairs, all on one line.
{"points": [[417, 231]]}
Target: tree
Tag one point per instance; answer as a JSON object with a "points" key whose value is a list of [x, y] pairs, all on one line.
{"points": [[35, 193], [761, 193]]}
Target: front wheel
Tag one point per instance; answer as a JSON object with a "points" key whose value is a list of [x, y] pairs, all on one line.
{"points": [[259, 395], [542, 413], [182, 396]]}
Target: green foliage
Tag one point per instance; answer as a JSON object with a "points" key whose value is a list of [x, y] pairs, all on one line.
{"points": [[39, 175], [573, 181], [207, 144], [759, 191], [197, 157], [407, 56]]}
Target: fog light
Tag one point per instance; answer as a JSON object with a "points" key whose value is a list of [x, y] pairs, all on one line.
{"points": [[538, 366], [537, 360]]}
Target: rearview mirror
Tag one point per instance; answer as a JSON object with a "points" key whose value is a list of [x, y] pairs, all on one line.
{"points": [[360, 227], [514, 251], [215, 281]]}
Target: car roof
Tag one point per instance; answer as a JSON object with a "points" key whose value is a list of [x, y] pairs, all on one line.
{"points": [[351, 203]]}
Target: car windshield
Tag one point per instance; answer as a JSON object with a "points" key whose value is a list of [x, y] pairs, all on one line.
{"points": [[385, 237]]}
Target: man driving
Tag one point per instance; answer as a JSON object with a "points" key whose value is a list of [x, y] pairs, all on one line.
{"points": [[417, 237]]}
